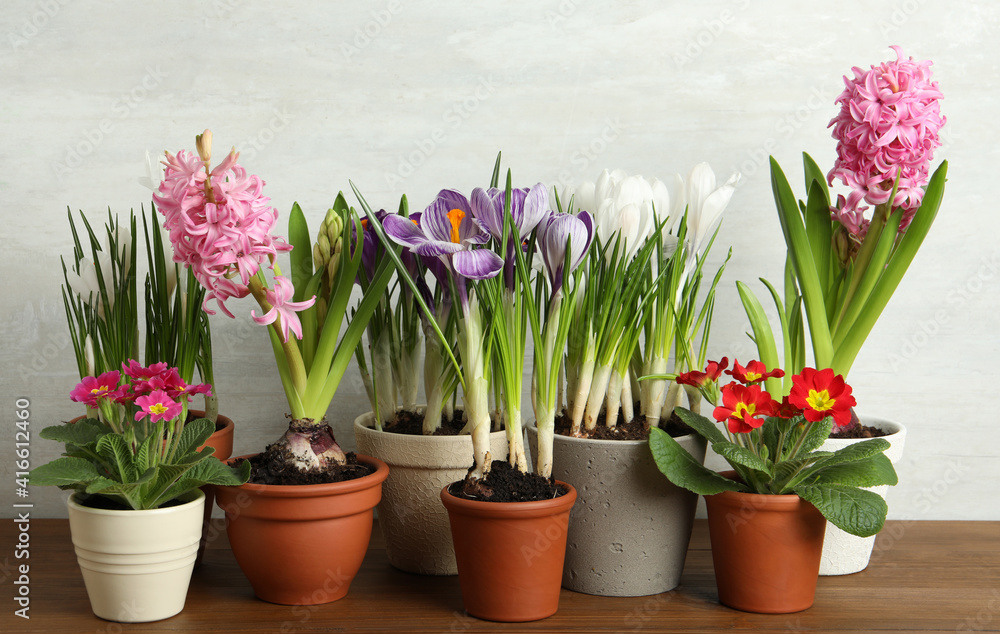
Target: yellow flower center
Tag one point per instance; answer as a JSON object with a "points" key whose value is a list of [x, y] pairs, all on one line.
{"points": [[820, 401], [98, 390], [157, 408], [455, 216], [743, 410], [752, 377]]}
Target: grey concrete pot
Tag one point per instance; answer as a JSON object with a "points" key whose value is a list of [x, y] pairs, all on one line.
{"points": [[413, 520], [843, 553], [629, 530]]}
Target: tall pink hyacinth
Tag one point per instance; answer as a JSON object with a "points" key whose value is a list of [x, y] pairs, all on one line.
{"points": [[219, 223], [888, 126]]}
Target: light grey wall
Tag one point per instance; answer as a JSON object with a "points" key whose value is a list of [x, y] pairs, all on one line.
{"points": [[415, 96]]}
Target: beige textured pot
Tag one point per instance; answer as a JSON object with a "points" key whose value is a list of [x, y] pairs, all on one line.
{"points": [[137, 564], [413, 520], [843, 553], [630, 528]]}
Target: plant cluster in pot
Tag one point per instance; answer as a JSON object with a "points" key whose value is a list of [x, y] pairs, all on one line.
{"points": [[426, 447], [102, 310], [220, 226], [843, 267], [498, 510], [629, 531], [136, 512], [766, 516]]}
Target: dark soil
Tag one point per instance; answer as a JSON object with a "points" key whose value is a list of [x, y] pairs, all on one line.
{"points": [[858, 431], [107, 504], [412, 423], [504, 483], [270, 468], [635, 429]]}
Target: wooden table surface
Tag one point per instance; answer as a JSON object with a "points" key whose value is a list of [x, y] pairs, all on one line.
{"points": [[924, 576]]}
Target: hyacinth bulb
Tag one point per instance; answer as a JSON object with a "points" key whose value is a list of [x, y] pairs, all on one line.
{"points": [[309, 447]]}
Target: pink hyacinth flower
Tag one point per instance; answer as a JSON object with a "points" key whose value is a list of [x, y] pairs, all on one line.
{"points": [[887, 129], [283, 310]]}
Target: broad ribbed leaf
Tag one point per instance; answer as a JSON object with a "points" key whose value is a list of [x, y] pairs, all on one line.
{"points": [[816, 436], [858, 451], [874, 471], [115, 449], [63, 472], [856, 511], [734, 453], [80, 433], [700, 424], [192, 437], [683, 470]]}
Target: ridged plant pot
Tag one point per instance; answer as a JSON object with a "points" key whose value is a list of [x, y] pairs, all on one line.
{"points": [[222, 442], [510, 555], [413, 521], [630, 528], [765, 549], [302, 545], [137, 565], [843, 553]]}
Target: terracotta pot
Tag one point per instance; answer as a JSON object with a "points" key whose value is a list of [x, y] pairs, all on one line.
{"points": [[302, 545], [413, 522], [137, 565], [843, 553], [766, 550], [630, 528], [510, 555], [222, 442]]}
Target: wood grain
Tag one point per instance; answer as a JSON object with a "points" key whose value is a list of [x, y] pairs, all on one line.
{"points": [[925, 577]]}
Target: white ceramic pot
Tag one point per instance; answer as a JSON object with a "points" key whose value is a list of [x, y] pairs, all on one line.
{"points": [[630, 527], [413, 520], [137, 564], [843, 553]]}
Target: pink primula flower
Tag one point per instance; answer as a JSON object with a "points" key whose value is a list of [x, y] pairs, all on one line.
{"points": [[887, 128], [158, 406], [282, 309], [92, 388]]}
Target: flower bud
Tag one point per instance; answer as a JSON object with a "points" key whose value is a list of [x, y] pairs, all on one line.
{"points": [[204, 143], [324, 247], [841, 245], [331, 270], [319, 262], [334, 227]]}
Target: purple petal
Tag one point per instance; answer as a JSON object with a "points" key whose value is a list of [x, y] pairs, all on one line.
{"points": [[477, 264], [436, 247], [454, 200], [435, 221], [487, 212], [536, 206], [472, 231], [403, 231]]}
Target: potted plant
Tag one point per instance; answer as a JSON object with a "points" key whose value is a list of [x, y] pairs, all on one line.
{"points": [[425, 447], [499, 508], [842, 267], [102, 310], [136, 512], [766, 516], [220, 224], [643, 277]]}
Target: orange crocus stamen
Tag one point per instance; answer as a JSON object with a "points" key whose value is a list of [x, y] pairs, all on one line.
{"points": [[455, 216]]}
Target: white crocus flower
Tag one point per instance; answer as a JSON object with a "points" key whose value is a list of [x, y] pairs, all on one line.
{"points": [[705, 203], [87, 286], [629, 205], [154, 173]]}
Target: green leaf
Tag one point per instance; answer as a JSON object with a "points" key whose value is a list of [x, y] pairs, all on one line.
{"points": [[813, 173], [872, 472], [301, 254], [816, 436], [763, 336], [116, 450], [63, 472], [858, 451], [81, 433], [100, 484], [740, 455], [193, 436], [850, 509], [700, 424], [683, 470]]}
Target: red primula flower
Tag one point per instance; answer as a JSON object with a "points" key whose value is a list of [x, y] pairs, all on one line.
{"points": [[787, 410], [744, 407], [821, 393], [755, 372], [711, 374]]}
